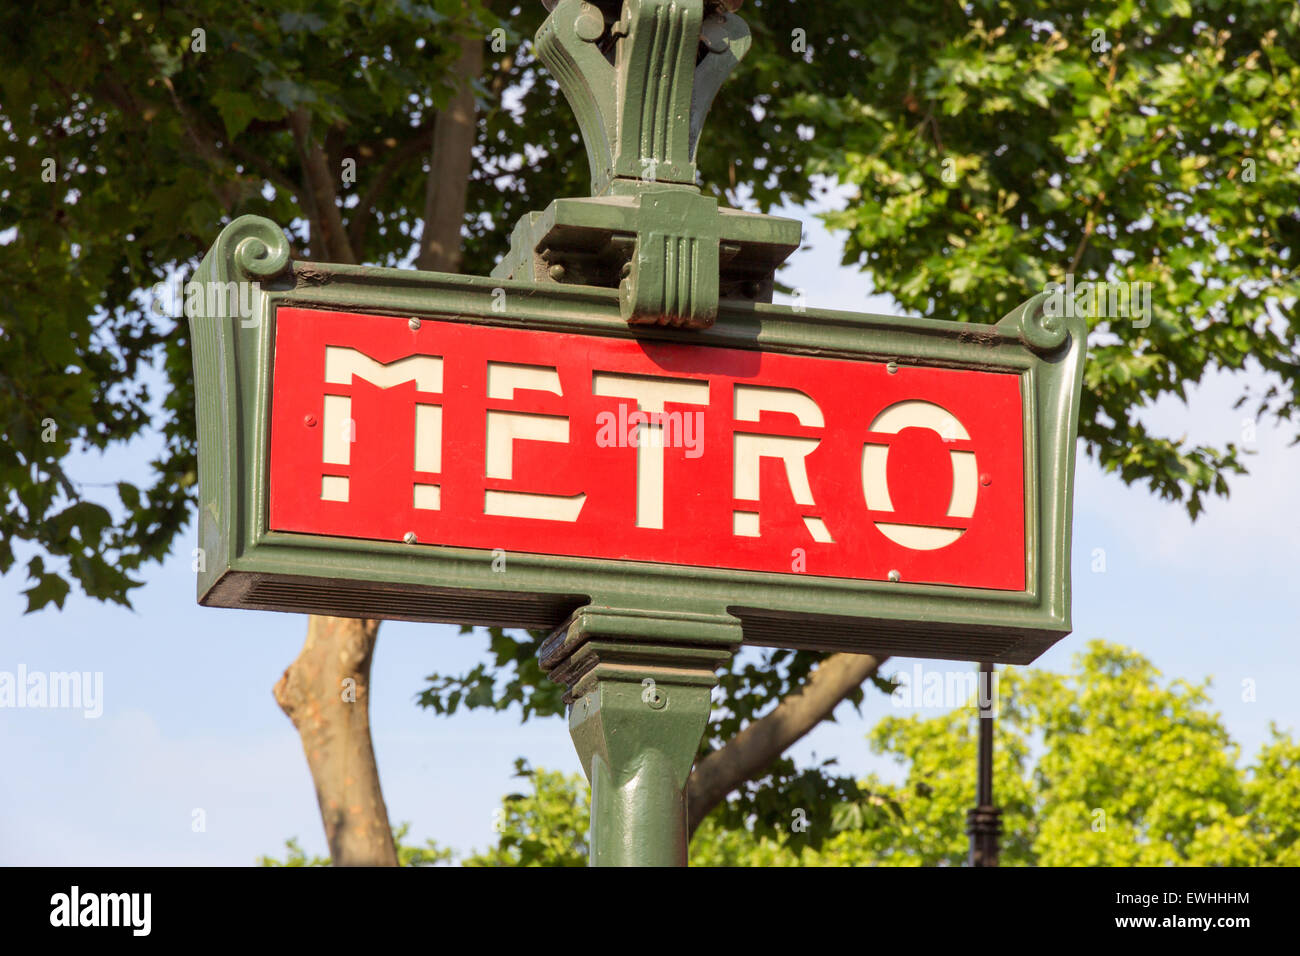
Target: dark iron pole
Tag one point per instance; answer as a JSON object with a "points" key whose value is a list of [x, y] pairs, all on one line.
{"points": [[983, 821]]}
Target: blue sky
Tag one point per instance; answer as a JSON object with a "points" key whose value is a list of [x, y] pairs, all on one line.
{"points": [[189, 722]]}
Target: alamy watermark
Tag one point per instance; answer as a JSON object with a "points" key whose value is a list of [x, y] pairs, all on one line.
{"points": [[125, 910], [633, 428], [58, 690], [1099, 300], [928, 687], [208, 299]]}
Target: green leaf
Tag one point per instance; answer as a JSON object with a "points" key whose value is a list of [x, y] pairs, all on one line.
{"points": [[49, 589], [237, 110]]}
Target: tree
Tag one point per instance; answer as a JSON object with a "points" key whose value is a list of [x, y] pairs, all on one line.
{"points": [[1003, 146], [132, 137], [1104, 766]]}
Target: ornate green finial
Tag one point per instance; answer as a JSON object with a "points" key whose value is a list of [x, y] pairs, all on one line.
{"points": [[641, 76]]}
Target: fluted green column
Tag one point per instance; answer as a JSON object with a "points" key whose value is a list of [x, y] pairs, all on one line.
{"points": [[639, 693]]}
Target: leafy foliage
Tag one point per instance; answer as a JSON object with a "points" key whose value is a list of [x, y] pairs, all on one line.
{"points": [[512, 677], [296, 856], [1001, 146], [129, 139], [1105, 766], [428, 855], [547, 827]]}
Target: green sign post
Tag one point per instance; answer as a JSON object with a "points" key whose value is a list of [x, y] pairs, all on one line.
{"points": [[617, 437]]}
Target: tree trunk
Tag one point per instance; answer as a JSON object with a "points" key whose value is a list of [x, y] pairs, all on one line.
{"points": [[326, 690], [449, 165], [326, 693]]}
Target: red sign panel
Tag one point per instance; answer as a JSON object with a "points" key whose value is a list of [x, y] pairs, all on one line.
{"points": [[554, 443]]}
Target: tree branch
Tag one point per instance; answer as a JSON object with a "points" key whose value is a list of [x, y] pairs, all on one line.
{"points": [[447, 185], [211, 144], [225, 194], [418, 143], [1088, 226], [747, 755], [320, 189]]}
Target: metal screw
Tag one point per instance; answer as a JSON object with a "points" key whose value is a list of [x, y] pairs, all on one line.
{"points": [[590, 24], [309, 421], [895, 576], [409, 537], [891, 368], [556, 272], [413, 324], [986, 479], [659, 701]]}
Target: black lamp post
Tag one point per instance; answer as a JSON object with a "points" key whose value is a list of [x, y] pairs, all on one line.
{"points": [[983, 821]]}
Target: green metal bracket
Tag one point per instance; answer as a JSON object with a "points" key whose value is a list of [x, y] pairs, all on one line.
{"points": [[640, 76], [674, 273], [638, 711]]}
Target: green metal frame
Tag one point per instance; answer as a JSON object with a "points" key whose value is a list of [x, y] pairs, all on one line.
{"points": [[248, 565]]}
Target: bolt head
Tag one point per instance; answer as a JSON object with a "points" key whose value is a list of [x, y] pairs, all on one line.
{"points": [[309, 421], [590, 24], [413, 324], [895, 576], [409, 537]]}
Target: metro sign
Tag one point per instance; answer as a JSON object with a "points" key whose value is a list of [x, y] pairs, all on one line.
{"points": [[558, 443], [388, 443]]}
